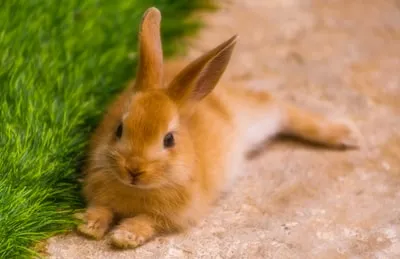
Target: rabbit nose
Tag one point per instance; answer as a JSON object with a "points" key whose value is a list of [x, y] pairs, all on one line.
{"points": [[134, 173]]}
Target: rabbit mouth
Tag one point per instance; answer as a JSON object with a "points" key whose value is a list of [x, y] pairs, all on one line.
{"points": [[134, 176], [134, 179], [137, 183]]}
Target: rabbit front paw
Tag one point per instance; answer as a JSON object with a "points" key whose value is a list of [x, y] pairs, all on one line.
{"points": [[132, 232], [96, 221]]}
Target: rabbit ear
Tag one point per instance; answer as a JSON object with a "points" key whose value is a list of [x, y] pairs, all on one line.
{"points": [[200, 77], [149, 73]]}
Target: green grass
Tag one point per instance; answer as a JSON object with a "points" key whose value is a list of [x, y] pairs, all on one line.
{"points": [[60, 63]]}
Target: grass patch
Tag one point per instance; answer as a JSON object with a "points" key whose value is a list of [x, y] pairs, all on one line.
{"points": [[60, 63]]}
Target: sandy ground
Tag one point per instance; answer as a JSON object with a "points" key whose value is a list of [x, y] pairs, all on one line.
{"points": [[337, 57]]}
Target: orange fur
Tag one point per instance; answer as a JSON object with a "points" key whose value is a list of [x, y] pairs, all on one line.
{"points": [[152, 188]]}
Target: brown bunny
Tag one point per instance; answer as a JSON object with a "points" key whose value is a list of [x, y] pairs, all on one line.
{"points": [[165, 152]]}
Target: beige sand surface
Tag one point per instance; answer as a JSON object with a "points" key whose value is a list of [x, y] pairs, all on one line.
{"points": [[338, 57]]}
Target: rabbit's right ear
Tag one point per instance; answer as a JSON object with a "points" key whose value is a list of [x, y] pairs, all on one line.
{"points": [[150, 68], [200, 77]]}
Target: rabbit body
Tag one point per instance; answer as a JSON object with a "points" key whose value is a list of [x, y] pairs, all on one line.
{"points": [[167, 149]]}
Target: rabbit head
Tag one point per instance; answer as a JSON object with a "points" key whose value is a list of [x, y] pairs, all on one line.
{"points": [[152, 146]]}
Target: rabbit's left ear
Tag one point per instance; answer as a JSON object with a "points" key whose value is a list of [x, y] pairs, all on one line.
{"points": [[150, 70], [200, 77]]}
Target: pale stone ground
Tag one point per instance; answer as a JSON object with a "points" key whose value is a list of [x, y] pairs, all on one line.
{"points": [[338, 57]]}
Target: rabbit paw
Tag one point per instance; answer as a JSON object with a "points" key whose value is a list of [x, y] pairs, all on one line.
{"points": [[125, 239], [345, 134], [96, 222], [92, 229], [132, 232]]}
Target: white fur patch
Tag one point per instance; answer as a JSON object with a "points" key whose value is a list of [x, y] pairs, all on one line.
{"points": [[260, 127], [253, 129], [124, 116], [173, 124], [234, 165]]}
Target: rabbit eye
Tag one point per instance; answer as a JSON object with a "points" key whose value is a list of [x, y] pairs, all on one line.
{"points": [[118, 133], [169, 140]]}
